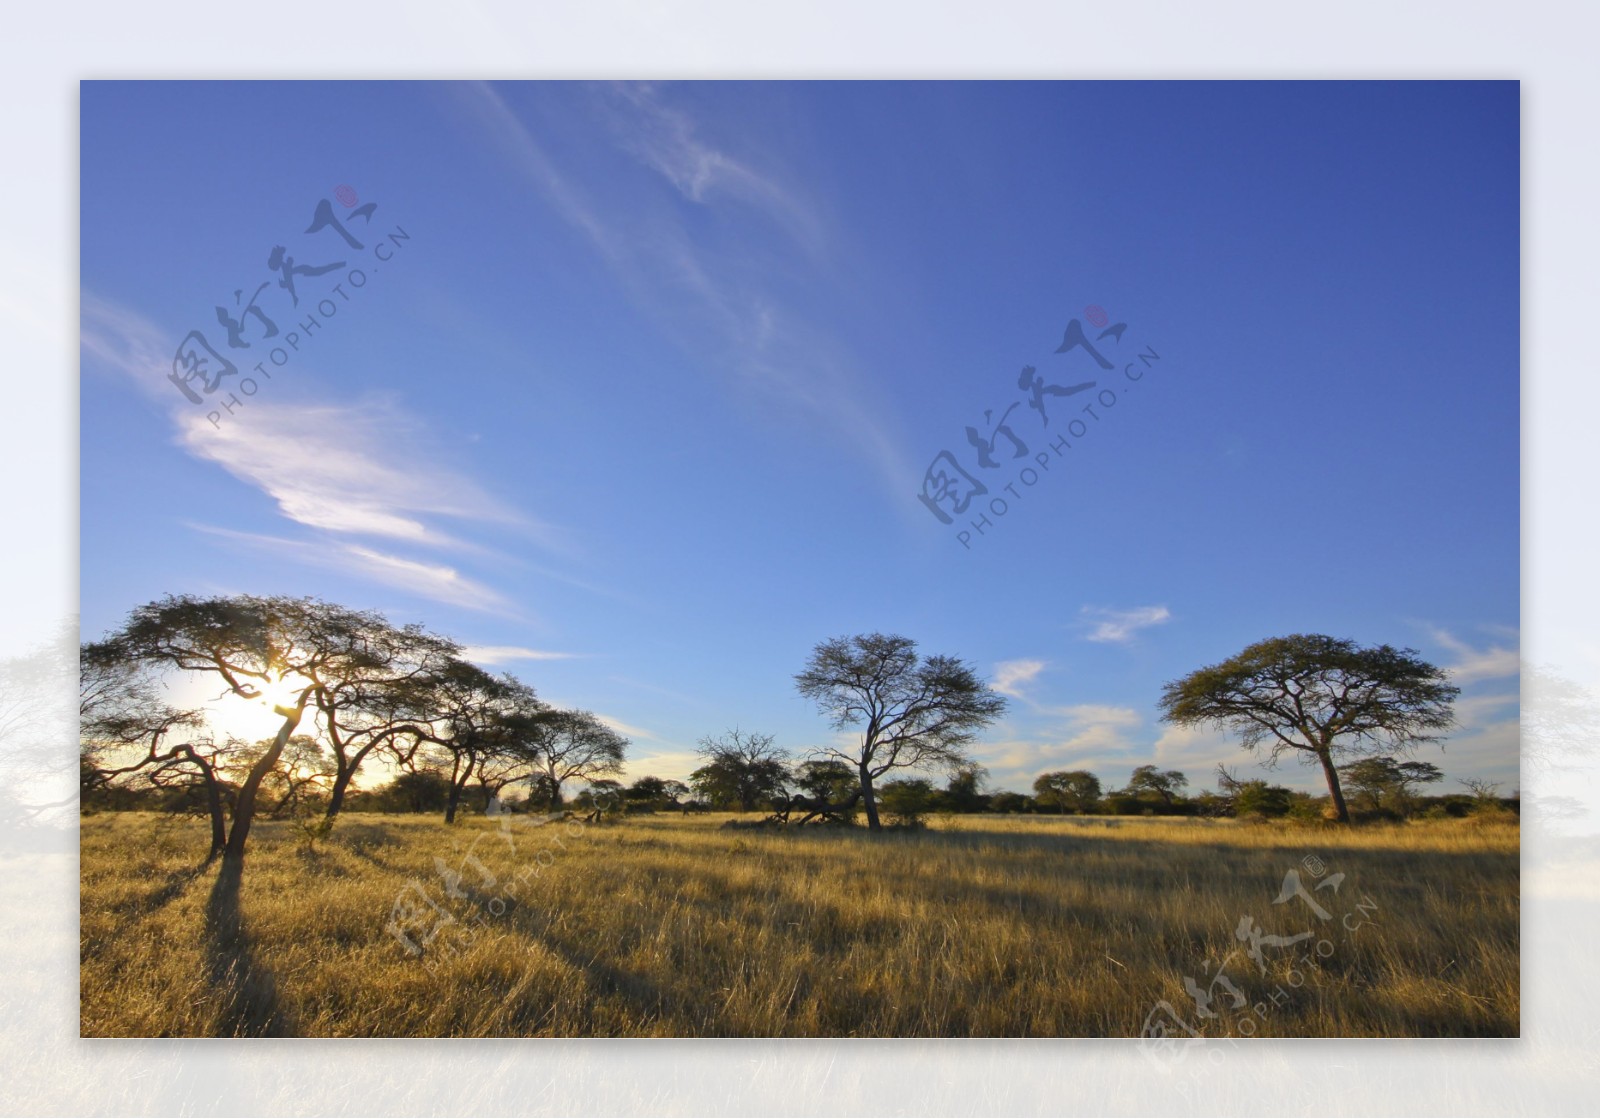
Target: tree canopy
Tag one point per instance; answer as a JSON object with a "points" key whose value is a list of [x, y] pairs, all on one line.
{"points": [[1319, 697], [1075, 790], [568, 745], [912, 712], [1386, 783], [741, 768], [1168, 784]]}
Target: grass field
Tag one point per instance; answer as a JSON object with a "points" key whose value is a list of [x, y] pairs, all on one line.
{"points": [[673, 926]]}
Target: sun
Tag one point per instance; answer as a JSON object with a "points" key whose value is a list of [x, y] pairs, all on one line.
{"points": [[281, 690]]}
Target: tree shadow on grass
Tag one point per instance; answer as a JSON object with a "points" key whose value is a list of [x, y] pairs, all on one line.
{"points": [[246, 989], [173, 884]]}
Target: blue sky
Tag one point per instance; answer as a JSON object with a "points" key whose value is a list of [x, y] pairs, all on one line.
{"points": [[640, 401]]}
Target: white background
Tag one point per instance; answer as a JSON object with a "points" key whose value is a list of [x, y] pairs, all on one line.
{"points": [[46, 1069]]}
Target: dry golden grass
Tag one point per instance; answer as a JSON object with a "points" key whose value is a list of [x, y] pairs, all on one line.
{"points": [[671, 926]]}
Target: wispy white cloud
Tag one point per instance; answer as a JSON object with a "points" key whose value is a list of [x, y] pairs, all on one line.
{"points": [[1493, 662], [1010, 676], [1488, 749], [1473, 710], [505, 654], [357, 470], [529, 156], [435, 581], [126, 343], [362, 478], [1097, 714], [709, 294], [627, 729], [672, 765], [363, 469], [1198, 750], [1121, 625], [668, 140]]}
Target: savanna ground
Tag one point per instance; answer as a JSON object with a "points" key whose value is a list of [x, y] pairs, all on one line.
{"points": [[673, 926]]}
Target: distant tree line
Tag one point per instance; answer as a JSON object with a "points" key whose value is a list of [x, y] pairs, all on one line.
{"points": [[735, 779], [352, 688]]}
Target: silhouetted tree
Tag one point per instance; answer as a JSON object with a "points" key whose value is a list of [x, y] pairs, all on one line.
{"points": [[826, 779], [290, 653], [568, 745], [421, 790], [125, 728], [473, 717]]}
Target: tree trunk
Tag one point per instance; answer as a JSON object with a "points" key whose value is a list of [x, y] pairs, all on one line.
{"points": [[219, 822], [870, 802], [341, 784], [244, 811], [459, 776], [1334, 791]]}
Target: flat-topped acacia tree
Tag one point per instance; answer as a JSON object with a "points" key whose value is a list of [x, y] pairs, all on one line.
{"points": [[1324, 698], [913, 712], [291, 653], [480, 720], [121, 713], [368, 709], [571, 745]]}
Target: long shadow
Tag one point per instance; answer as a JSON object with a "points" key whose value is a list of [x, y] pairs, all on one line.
{"points": [[639, 993], [171, 888], [248, 990]]}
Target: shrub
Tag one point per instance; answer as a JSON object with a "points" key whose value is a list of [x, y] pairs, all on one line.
{"points": [[1307, 810], [908, 801], [1260, 798], [1010, 802]]}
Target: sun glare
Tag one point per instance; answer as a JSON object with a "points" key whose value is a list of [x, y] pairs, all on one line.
{"points": [[281, 690]]}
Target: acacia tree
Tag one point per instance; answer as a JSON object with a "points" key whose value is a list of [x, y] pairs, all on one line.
{"points": [[568, 745], [1076, 789], [304, 773], [473, 716], [276, 650], [121, 718], [912, 712], [512, 733], [827, 779], [387, 702], [1320, 697], [511, 760], [965, 790], [1386, 783], [1165, 783], [656, 792], [741, 768]]}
